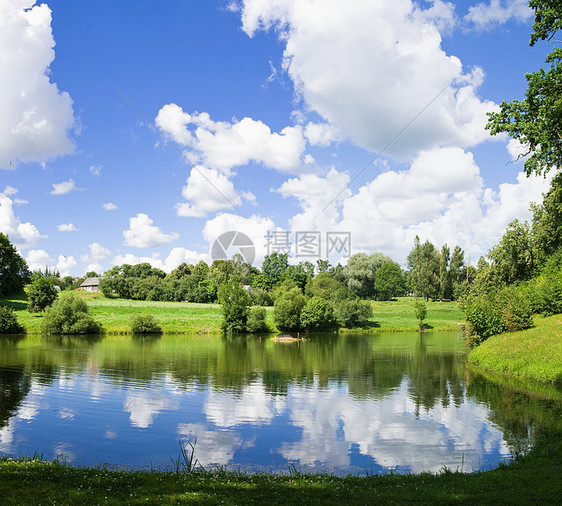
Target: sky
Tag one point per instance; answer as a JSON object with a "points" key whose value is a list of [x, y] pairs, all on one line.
{"points": [[141, 131]]}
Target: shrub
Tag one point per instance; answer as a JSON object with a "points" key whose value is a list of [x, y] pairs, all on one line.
{"points": [[420, 310], [144, 323], [352, 312], [287, 309], [40, 295], [256, 320], [318, 314], [501, 310], [8, 321], [235, 302], [69, 314]]}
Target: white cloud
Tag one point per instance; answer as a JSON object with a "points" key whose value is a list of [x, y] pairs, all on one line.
{"points": [[440, 197], [486, 15], [95, 170], [109, 206], [9, 191], [66, 227], [64, 187], [207, 191], [255, 227], [38, 259], [22, 235], [179, 255], [65, 265], [96, 254], [223, 145], [315, 194], [516, 150], [143, 234], [36, 117], [369, 70]]}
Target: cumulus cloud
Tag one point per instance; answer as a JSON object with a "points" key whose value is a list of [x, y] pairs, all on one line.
{"points": [[440, 197], [222, 145], [207, 191], [38, 259], [66, 227], [64, 187], [109, 206], [143, 234], [256, 227], [486, 15], [96, 254], [65, 265], [22, 235], [369, 70], [36, 116]]}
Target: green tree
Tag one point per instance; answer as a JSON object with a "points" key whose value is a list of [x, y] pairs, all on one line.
{"points": [[144, 323], [40, 295], [274, 266], [256, 320], [69, 314], [318, 314], [14, 273], [512, 258], [423, 262], [420, 310], [360, 272], [445, 278], [287, 310], [8, 321], [389, 281], [235, 303], [456, 266], [547, 223], [536, 121]]}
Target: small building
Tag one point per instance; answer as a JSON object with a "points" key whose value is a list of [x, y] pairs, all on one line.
{"points": [[91, 284]]}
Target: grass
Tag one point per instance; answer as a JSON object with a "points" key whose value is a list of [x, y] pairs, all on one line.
{"points": [[534, 354], [399, 315], [188, 318], [531, 479]]}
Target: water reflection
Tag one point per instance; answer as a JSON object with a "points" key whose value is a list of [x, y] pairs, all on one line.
{"points": [[341, 403]]}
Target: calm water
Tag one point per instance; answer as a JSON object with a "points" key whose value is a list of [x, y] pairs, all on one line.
{"points": [[399, 401]]}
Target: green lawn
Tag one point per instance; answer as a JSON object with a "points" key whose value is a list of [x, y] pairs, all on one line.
{"points": [[186, 317], [533, 479], [534, 354], [399, 315]]}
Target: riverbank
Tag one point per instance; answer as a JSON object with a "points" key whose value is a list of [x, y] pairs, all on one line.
{"points": [[188, 318], [532, 479], [534, 354]]}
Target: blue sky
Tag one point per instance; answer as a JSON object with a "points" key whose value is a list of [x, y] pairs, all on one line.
{"points": [[267, 116]]}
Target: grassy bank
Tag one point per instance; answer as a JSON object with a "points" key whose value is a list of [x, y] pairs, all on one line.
{"points": [[186, 317], [534, 354], [533, 479]]}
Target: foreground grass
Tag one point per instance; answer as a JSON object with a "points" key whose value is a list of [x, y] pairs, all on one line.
{"points": [[533, 479], [187, 317], [534, 354]]}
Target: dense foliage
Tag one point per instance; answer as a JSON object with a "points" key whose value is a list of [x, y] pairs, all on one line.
{"points": [[13, 268], [144, 323], [235, 302], [69, 314], [40, 295], [8, 321]]}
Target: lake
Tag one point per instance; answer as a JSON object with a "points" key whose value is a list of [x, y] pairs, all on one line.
{"points": [[347, 403]]}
